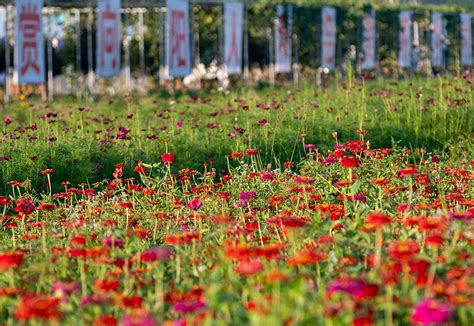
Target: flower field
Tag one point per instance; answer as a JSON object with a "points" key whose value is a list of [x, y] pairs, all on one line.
{"points": [[350, 205]]}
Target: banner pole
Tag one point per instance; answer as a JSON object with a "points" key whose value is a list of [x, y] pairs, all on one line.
{"points": [[221, 44], [7, 58], [270, 56], [78, 53], [128, 83], [246, 48], [141, 46], [50, 54], [90, 66], [162, 45]]}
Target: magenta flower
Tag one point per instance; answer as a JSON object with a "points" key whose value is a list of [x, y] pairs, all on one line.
{"points": [[194, 204], [351, 286], [188, 307], [430, 312], [247, 195], [160, 253], [109, 242], [268, 175]]}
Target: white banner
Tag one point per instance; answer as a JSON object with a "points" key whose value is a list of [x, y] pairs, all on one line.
{"points": [[328, 38], [282, 41], [437, 39], [178, 54], [466, 40], [368, 41], [404, 51], [30, 64], [3, 22], [108, 38], [233, 31]]}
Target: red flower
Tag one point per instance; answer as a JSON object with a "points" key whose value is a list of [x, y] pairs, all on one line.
{"points": [[180, 239], [139, 168], [376, 220], [46, 207], [106, 285], [10, 260], [288, 165], [47, 171], [37, 307], [236, 155], [4, 201], [303, 179], [403, 250], [349, 162], [355, 146], [251, 151], [24, 206], [105, 320], [168, 158], [407, 171], [249, 267]]}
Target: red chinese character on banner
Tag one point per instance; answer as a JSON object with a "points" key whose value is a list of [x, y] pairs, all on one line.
{"points": [[283, 40], [233, 52], [178, 39], [29, 25], [109, 32], [368, 23]]}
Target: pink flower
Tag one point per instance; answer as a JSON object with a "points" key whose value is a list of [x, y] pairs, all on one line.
{"points": [[195, 204], [160, 253], [430, 311], [188, 306], [247, 195], [179, 123], [351, 286], [138, 319], [303, 179]]}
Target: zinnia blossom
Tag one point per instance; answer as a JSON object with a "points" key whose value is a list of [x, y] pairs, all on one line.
{"points": [[431, 312], [376, 220], [168, 158], [249, 267], [195, 204], [37, 307], [403, 249], [407, 172], [138, 319], [349, 162], [188, 306], [24, 206], [10, 260]]}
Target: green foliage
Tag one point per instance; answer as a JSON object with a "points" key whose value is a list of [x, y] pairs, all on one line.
{"points": [[86, 146]]}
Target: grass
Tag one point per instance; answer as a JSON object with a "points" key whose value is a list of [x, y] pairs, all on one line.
{"points": [[80, 141]]}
